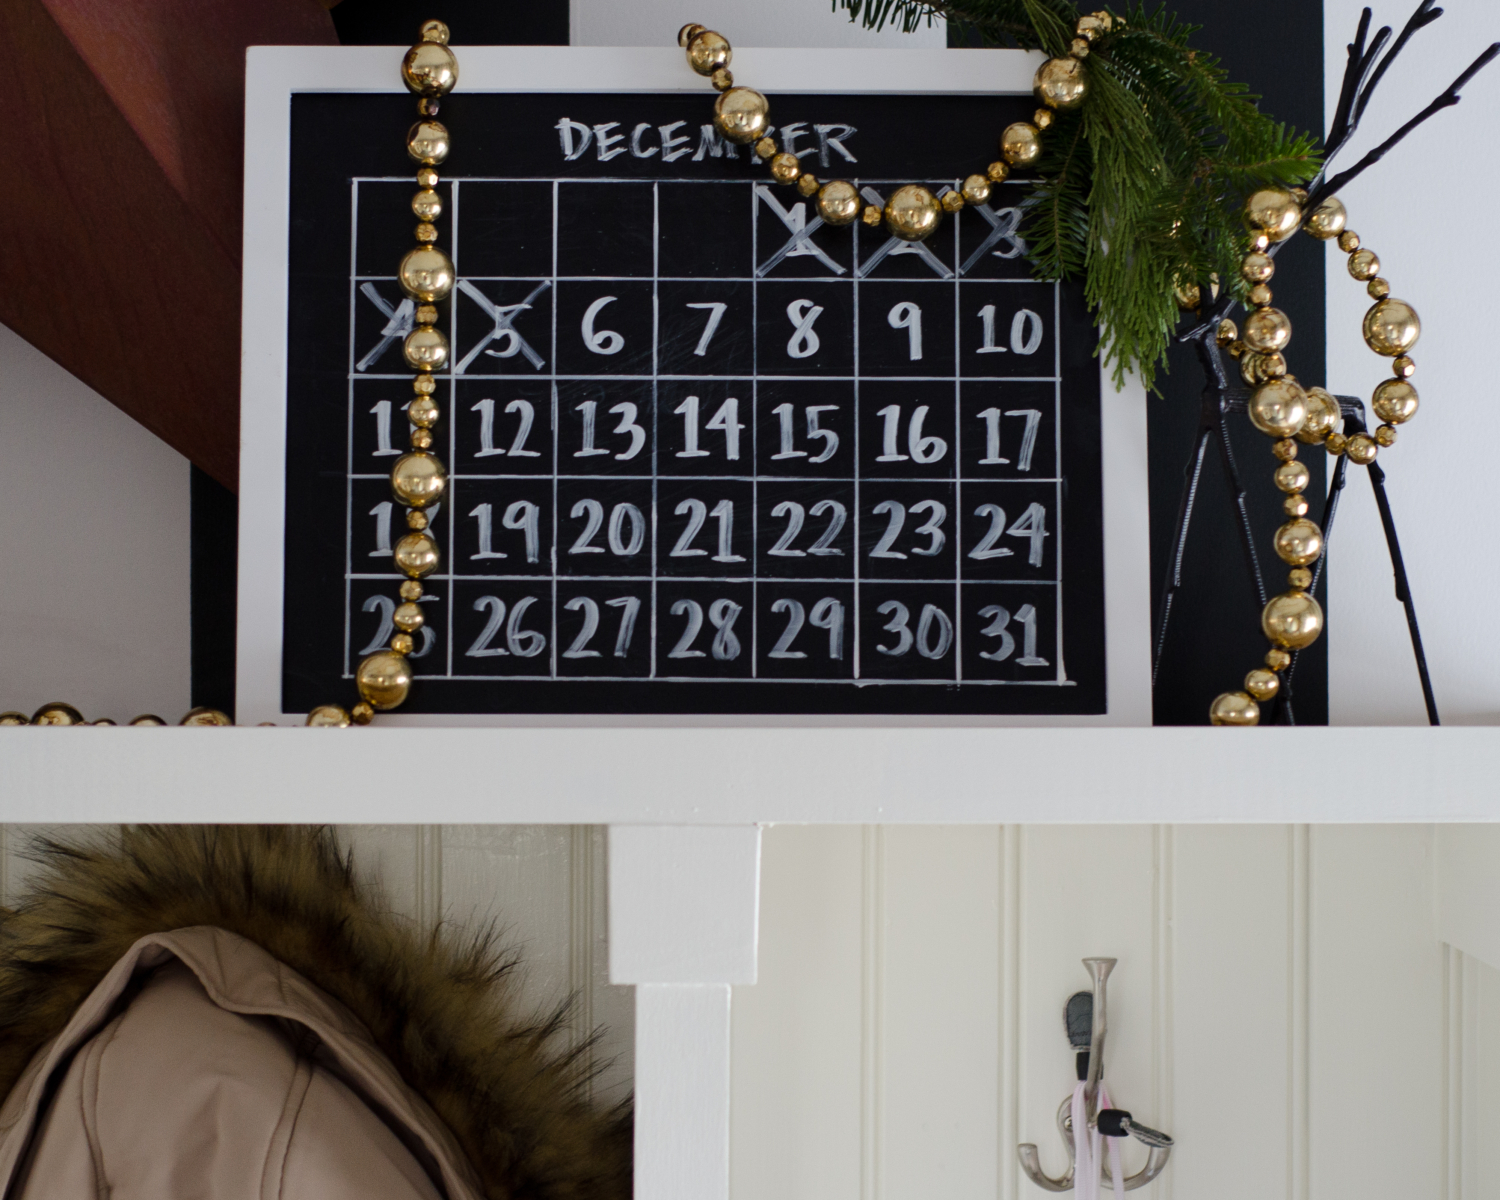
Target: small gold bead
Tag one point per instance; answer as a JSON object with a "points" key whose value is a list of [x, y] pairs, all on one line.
{"points": [[1403, 367], [1361, 449], [401, 643], [1299, 542], [1295, 505], [1262, 684], [1226, 333], [1079, 47], [1257, 267], [807, 183], [1292, 620], [838, 202], [361, 713], [912, 213], [722, 79], [1042, 118], [1364, 264], [741, 114], [872, 215], [1021, 144], [427, 178], [1335, 443], [423, 411], [423, 385], [1285, 449], [765, 148], [427, 142], [1392, 327], [1379, 288], [1327, 220], [1292, 476], [205, 717], [1234, 708], [1187, 294], [408, 617], [416, 555], [328, 716], [1395, 401], [952, 201], [1250, 370], [1090, 27], [1236, 349], [1260, 295], [384, 679], [708, 51], [426, 232], [1348, 241], [102, 721], [427, 205], [421, 439], [1277, 660], [1322, 416], [1260, 242], [411, 590], [1299, 577], [426, 274], [427, 106], [1060, 83], [1299, 194], [416, 519], [148, 719], [1385, 435], [687, 33], [57, 713], [14, 718], [976, 189], [426, 314], [998, 172], [426, 348], [435, 31], [784, 168], [1273, 366]]}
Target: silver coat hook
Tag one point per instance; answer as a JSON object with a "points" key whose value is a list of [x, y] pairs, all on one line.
{"points": [[1090, 1010]]}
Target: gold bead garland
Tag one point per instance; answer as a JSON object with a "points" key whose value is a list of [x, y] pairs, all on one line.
{"points": [[913, 213], [1282, 409]]}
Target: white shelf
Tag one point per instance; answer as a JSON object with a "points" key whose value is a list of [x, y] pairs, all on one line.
{"points": [[713, 776]]}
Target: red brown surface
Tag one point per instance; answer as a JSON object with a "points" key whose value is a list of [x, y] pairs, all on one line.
{"points": [[120, 210]]}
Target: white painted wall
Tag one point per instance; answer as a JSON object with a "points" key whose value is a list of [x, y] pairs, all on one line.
{"points": [[93, 549]]}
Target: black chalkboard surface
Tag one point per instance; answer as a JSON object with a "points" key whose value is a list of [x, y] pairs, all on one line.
{"points": [[707, 454]]}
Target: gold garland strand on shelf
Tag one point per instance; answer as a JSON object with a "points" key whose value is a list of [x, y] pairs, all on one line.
{"points": [[418, 478], [912, 213], [1282, 409]]}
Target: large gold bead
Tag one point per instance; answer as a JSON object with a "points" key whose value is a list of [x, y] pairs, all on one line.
{"points": [[1262, 684], [708, 51], [429, 69], [742, 114], [384, 679], [57, 713], [1292, 620], [1060, 83], [1299, 542], [1234, 708], [1322, 416], [1361, 449], [418, 479], [1267, 330], [1021, 144], [1273, 212], [1278, 407], [1328, 219], [426, 348], [977, 189], [148, 719], [204, 717], [416, 555], [687, 33], [1257, 267], [1392, 327], [426, 274], [1395, 401], [14, 718], [838, 202], [328, 716], [912, 213], [1292, 476], [428, 142]]}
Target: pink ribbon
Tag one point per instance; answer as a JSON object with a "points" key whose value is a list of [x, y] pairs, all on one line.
{"points": [[1088, 1162]]}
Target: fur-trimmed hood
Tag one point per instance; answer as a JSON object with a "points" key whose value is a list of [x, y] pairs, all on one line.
{"points": [[442, 1009]]}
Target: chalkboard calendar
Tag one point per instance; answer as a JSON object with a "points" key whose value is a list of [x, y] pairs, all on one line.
{"points": [[706, 453]]}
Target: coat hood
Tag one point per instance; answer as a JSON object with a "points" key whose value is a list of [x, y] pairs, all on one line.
{"points": [[507, 1093]]}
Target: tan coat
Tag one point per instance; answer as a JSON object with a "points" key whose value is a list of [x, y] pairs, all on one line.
{"points": [[201, 1068]]}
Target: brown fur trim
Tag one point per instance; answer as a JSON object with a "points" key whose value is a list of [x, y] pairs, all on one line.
{"points": [[441, 1008]]}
